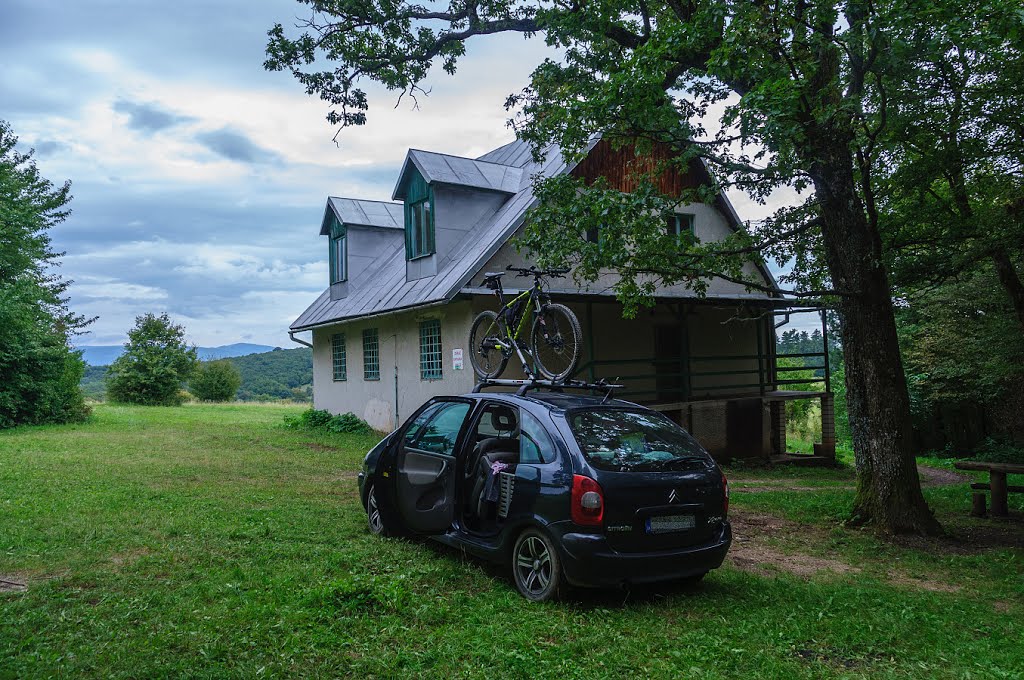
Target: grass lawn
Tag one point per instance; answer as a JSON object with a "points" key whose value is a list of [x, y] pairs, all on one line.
{"points": [[209, 541]]}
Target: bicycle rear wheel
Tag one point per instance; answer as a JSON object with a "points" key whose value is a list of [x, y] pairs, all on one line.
{"points": [[555, 342], [488, 361]]}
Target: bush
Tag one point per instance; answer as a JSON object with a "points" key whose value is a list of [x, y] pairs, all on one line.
{"points": [[155, 365], [215, 381], [316, 419], [999, 451]]}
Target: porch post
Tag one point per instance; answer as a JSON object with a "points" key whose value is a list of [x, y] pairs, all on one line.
{"points": [[777, 413], [828, 427]]}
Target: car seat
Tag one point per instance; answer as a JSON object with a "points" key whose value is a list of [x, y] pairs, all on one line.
{"points": [[503, 449]]}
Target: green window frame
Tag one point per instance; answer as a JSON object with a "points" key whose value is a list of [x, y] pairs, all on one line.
{"points": [[371, 354], [680, 225], [339, 360], [419, 229], [339, 258], [419, 218], [430, 350]]}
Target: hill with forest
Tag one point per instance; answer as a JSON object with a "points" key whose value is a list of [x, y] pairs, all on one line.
{"points": [[267, 376]]}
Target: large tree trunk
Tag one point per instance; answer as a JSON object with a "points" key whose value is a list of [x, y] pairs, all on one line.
{"points": [[1011, 281], [888, 488]]}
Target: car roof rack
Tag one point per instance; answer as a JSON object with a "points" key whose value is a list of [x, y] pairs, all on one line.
{"points": [[555, 386]]}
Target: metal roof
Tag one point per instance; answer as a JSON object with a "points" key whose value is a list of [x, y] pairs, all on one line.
{"points": [[358, 212], [439, 168], [382, 287]]}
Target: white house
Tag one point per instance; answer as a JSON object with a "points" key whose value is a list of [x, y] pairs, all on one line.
{"points": [[391, 328]]}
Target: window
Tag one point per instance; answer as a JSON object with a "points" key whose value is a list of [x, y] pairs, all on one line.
{"points": [[497, 421], [437, 428], [371, 355], [679, 225], [338, 359], [535, 445], [430, 350], [641, 441], [593, 235], [339, 258], [420, 229]]}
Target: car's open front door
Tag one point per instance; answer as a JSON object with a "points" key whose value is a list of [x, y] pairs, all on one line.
{"points": [[424, 485]]}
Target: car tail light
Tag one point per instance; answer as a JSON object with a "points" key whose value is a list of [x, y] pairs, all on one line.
{"points": [[725, 495], [587, 501]]}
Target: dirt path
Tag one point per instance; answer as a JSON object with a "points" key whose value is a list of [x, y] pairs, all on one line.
{"points": [[929, 477], [10, 584]]}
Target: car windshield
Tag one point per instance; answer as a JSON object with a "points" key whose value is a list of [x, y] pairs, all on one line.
{"points": [[615, 439]]}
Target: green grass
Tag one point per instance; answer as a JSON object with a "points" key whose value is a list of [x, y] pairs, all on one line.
{"points": [[210, 541]]}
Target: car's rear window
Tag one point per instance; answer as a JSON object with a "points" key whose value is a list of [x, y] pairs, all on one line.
{"points": [[616, 439]]}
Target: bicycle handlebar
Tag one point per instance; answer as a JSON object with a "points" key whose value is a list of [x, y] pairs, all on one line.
{"points": [[533, 271]]}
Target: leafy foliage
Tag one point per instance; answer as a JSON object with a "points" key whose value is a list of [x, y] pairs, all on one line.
{"points": [[156, 364], [215, 381], [316, 419], [39, 371]]}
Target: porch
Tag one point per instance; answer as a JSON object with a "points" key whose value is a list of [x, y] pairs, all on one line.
{"points": [[711, 365]]}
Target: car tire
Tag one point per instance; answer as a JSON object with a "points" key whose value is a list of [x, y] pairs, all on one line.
{"points": [[374, 518], [536, 567]]}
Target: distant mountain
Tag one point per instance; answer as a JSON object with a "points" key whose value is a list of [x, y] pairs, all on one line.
{"points": [[104, 355]]}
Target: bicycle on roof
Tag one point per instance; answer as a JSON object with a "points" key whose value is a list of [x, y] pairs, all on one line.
{"points": [[554, 334]]}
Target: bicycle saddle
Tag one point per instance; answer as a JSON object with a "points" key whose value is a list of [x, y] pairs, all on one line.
{"points": [[493, 275]]}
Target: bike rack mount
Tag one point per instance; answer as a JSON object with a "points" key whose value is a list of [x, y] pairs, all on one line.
{"points": [[536, 384]]}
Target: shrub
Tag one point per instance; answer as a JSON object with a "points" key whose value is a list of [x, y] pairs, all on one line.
{"points": [[316, 419], [999, 451], [215, 381]]}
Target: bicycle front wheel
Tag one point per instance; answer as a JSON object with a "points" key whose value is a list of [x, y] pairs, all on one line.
{"points": [[488, 361], [555, 342]]}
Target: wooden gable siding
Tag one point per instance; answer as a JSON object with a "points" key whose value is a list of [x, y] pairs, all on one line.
{"points": [[623, 168]]}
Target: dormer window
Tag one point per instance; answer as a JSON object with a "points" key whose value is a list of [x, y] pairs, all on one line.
{"points": [[419, 228], [339, 256], [419, 217]]}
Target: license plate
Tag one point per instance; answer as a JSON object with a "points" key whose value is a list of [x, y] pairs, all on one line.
{"points": [[664, 525]]}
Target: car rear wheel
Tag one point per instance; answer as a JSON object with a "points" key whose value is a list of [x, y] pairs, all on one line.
{"points": [[693, 579], [535, 566]]}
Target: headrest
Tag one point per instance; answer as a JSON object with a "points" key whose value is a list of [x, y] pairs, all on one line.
{"points": [[503, 420]]}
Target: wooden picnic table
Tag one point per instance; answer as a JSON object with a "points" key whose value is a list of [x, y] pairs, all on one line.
{"points": [[997, 482]]}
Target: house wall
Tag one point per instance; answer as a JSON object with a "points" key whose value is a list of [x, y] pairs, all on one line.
{"points": [[709, 225], [375, 400]]}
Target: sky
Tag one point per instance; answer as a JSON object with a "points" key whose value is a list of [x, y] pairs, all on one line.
{"points": [[199, 178]]}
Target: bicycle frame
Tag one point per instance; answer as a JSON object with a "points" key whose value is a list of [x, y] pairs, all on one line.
{"points": [[507, 319]]}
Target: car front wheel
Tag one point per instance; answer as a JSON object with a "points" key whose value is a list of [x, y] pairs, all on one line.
{"points": [[374, 521], [535, 566]]}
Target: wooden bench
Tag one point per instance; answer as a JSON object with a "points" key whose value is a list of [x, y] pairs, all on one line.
{"points": [[997, 482]]}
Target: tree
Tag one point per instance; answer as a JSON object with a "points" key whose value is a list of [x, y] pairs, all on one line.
{"points": [[951, 186], [799, 84], [39, 370], [155, 365], [215, 381]]}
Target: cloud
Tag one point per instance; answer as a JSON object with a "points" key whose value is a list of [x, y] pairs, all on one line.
{"points": [[147, 117], [49, 148], [236, 146]]}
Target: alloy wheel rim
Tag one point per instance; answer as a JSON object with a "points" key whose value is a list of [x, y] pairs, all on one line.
{"points": [[533, 565], [374, 514]]}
